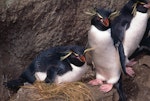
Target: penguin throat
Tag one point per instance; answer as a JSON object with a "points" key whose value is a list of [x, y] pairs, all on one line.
{"points": [[101, 27], [76, 62], [141, 8]]}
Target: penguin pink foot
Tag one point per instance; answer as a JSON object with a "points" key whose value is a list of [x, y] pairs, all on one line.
{"points": [[95, 82], [106, 87], [131, 62], [130, 71]]}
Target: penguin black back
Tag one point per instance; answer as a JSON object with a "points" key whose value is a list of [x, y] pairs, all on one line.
{"points": [[125, 17], [122, 20], [118, 27], [122, 23]]}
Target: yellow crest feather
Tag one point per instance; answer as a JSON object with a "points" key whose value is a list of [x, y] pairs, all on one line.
{"points": [[67, 55]]}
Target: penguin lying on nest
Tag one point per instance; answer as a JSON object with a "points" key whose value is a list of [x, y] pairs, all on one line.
{"points": [[105, 57], [54, 65], [127, 30]]}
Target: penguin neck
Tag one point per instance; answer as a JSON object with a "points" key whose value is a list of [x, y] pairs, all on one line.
{"points": [[141, 8], [75, 61], [102, 28], [128, 8]]}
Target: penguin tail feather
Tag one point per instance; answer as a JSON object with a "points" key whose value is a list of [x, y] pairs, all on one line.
{"points": [[118, 85]]}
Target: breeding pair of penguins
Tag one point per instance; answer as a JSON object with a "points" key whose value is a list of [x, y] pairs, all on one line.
{"points": [[115, 40], [112, 43]]}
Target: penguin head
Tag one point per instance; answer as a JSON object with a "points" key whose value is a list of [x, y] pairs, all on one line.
{"points": [[142, 1], [145, 3], [78, 54], [101, 19], [141, 6], [75, 55]]}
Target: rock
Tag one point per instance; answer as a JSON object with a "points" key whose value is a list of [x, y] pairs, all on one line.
{"points": [[138, 88]]}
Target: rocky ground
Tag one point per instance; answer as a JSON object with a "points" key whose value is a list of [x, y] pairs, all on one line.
{"points": [[29, 26], [136, 88]]}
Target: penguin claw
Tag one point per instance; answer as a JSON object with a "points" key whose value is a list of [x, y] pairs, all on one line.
{"points": [[130, 71], [95, 82], [106, 87]]}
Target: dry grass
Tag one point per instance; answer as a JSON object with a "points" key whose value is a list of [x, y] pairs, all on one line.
{"points": [[74, 91]]}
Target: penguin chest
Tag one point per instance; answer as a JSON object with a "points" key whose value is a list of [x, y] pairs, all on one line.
{"points": [[74, 75], [102, 43], [135, 32], [96, 38], [105, 56], [40, 76]]}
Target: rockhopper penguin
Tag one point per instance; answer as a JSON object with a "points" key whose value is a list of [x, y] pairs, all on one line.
{"points": [[127, 30], [104, 54], [54, 65], [144, 47]]}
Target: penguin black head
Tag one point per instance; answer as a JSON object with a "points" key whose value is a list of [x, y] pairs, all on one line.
{"points": [[143, 1], [142, 5], [75, 55], [101, 19]]}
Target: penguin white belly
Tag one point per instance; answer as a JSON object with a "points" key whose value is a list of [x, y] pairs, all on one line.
{"points": [[70, 76], [135, 33], [74, 75], [40, 76], [105, 56]]}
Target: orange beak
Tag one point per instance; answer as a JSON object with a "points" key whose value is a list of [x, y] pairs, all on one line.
{"points": [[147, 5], [82, 58], [105, 22]]}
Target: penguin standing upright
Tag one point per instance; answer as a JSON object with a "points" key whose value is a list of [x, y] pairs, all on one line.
{"points": [[128, 28], [54, 65], [104, 55], [144, 47]]}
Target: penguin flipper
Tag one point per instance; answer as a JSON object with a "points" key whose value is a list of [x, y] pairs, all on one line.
{"points": [[119, 46], [28, 76], [14, 85], [117, 34], [51, 75], [122, 57], [120, 90]]}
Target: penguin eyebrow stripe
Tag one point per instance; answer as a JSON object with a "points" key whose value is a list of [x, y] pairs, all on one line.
{"points": [[67, 55], [99, 15]]}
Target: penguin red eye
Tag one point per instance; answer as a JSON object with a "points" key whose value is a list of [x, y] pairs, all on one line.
{"points": [[99, 19]]}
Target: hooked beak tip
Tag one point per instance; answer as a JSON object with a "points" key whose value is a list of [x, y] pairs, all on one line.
{"points": [[106, 22], [147, 5]]}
